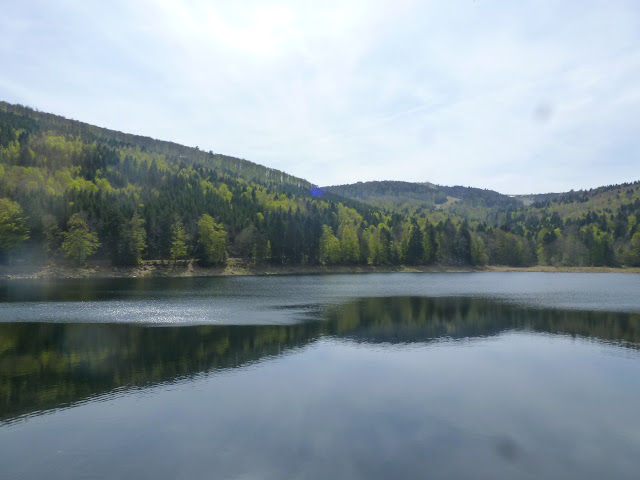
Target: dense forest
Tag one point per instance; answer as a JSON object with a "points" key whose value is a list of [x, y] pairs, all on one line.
{"points": [[72, 192]]}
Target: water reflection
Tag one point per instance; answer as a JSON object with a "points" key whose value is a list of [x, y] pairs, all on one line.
{"points": [[419, 319], [52, 365]]}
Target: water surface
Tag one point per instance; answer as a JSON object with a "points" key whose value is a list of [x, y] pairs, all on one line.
{"points": [[346, 376]]}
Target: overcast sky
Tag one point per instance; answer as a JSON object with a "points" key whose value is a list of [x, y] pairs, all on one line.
{"points": [[516, 96]]}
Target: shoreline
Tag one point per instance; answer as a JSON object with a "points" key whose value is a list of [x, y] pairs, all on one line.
{"points": [[234, 267]]}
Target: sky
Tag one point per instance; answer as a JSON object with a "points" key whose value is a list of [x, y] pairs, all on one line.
{"points": [[519, 97]]}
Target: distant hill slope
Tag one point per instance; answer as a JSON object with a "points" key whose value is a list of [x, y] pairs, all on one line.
{"points": [[475, 204], [424, 193], [34, 121], [427, 198], [575, 204], [595, 199]]}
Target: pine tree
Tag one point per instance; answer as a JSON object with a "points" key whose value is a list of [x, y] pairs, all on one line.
{"points": [[415, 247], [179, 241], [429, 244], [135, 237]]}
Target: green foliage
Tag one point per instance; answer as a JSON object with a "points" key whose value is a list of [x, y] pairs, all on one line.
{"points": [[330, 252], [13, 229], [79, 242], [633, 258], [479, 255], [224, 193], [427, 199], [382, 245], [350, 247], [179, 241], [212, 240], [135, 238], [415, 246], [510, 250], [429, 245], [133, 188]]}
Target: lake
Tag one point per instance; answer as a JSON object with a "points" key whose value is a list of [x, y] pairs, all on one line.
{"points": [[376, 376]]}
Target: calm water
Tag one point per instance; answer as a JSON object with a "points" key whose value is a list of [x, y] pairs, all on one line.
{"points": [[347, 376]]}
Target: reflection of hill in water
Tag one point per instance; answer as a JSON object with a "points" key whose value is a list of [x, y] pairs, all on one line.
{"points": [[52, 365], [418, 319]]}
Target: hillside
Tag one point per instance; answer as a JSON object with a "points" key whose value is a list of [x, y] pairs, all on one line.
{"points": [[429, 200], [32, 122], [72, 192]]}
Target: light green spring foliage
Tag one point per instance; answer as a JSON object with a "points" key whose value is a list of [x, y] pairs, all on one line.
{"points": [[13, 230], [212, 240], [349, 245], [224, 193], [330, 252], [79, 242], [478, 251], [179, 241]]}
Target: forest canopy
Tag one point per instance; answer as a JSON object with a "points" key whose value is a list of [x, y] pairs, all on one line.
{"points": [[74, 192]]}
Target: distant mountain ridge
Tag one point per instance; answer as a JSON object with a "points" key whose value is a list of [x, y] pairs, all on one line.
{"points": [[423, 192], [428, 199], [470, 202]]}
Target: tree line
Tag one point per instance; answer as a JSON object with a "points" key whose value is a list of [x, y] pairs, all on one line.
{"points": [[75, 197]]}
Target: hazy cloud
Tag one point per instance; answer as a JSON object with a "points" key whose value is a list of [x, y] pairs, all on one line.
{"points": [[519, 97]]}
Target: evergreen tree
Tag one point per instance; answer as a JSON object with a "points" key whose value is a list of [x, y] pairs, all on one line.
{"points": [[135, 237], [384, 252], [429, 244], [415, 247], [179, 241], [634, 251], [462, 250]]}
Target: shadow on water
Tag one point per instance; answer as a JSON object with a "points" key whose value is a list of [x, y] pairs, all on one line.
{"points": [[45, 366]]}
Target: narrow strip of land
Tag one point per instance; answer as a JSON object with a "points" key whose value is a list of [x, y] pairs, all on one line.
{"points": [[235, 267]]}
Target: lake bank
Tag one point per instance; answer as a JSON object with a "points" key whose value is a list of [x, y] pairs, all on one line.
{"points": [[235, 267]]}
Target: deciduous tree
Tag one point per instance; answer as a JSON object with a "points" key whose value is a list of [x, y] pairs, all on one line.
{"points": [[13, 230], [79, 242], [212, 241]]}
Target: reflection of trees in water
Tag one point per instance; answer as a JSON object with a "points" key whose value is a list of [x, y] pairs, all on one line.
{"points": [[49, 365], [416, 319]]}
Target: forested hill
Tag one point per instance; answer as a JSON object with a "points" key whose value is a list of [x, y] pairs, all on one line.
{"points": [[585, 197], [31, 122], [72, 192], [416, 198]]}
